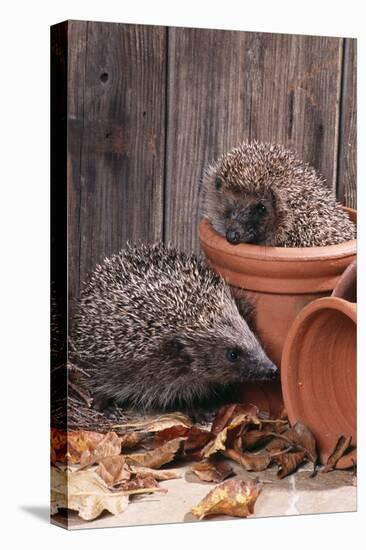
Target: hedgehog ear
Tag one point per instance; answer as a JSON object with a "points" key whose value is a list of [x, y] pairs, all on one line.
{"points": [[174, 348]]}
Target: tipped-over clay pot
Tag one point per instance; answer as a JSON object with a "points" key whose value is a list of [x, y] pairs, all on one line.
{"points": [[280, 282], [318, 373]]}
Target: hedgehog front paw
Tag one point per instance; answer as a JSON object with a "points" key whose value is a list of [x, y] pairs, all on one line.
{"points": [[111, 413], [201, 416], [104, 405]]}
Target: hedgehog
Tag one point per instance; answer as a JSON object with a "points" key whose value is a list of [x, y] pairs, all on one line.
{"points": [[156, 329], [263, 194]]}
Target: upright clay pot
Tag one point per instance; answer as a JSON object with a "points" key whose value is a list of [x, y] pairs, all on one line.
{"points": [[280, 282], [318, 373]]}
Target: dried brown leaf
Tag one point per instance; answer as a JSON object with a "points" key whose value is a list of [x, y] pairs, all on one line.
{"points": [[226, 414], [212, 470], [85, 492], [218, 444], [283, 415], [252, 462], [281, 428], [113, 470], [222, 440], [168, 434], [299, 437], [58, 445], [157, 457], [276, 425], [236, 443], [197, 439], [222, 418], [289, 462], [110, 445], [159, 475], [306, 440], [339, 450], [253, 438], [234, 497], [82, 446], [278, 444], [146, 482], [131, 440], [158, 423]]}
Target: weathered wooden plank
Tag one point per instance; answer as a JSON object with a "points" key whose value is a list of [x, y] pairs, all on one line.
{"points": [[116, 116], [226, 86], [347, 155]]}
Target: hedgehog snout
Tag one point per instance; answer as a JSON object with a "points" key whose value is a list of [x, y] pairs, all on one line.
{"points": [[232, 236], [241, 231], [257, 366], [268, 370]]}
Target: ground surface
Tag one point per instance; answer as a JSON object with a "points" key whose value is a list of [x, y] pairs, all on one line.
{"points": [[296, 494]]}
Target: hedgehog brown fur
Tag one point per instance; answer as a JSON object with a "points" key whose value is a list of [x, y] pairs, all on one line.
{"points": [[156, 328], [264, 194]]}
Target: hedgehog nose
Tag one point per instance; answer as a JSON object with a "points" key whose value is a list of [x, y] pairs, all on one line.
{"points": [[232, 236], [273, 373], [269, 369]]}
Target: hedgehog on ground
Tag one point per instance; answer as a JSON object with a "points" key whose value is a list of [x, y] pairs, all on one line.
{"points": [[157, 329], [264, 194]]}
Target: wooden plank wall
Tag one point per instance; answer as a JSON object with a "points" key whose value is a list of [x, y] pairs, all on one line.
{"points": [[149, 106], [116, 135]]}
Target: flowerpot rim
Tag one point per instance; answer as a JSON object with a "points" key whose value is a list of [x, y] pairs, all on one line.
{"points": [[328, 302], [277, 270], [281, 254]]}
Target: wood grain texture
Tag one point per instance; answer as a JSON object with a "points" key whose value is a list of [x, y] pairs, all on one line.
{"points": [[116, 115], [347, 161], [226, 86]]}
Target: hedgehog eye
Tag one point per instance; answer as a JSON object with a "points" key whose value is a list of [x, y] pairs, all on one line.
{"points": [[260, 208], [233, 354], [218, 183]]}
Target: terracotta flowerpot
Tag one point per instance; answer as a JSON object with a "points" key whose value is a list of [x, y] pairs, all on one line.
{"points": [[318, 373], [280, 282]]}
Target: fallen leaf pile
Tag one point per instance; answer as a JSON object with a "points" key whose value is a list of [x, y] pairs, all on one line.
{"points": [[93, 472], [255, 442], [90, 474]]}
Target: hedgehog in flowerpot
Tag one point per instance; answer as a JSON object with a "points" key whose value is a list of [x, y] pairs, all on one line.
{"points": [[264, 194]]}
